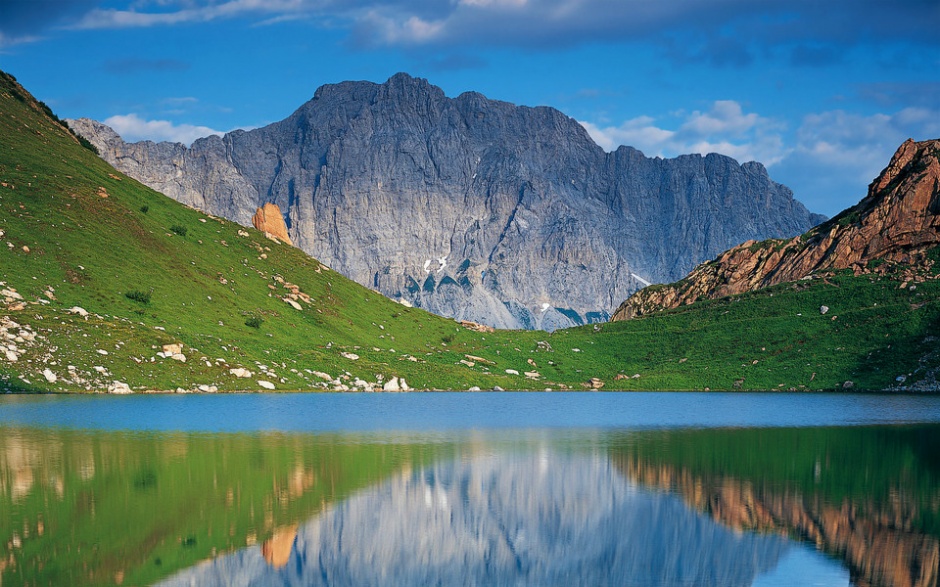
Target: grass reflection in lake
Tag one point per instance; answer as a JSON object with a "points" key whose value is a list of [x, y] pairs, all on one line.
{"points": [[98, 508]]}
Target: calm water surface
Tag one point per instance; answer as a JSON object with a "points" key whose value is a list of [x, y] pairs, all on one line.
{"points": [[479, 489]]}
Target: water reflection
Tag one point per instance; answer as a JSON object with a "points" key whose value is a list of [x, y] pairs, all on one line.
{"points": [[545, 506], [517, 519]]}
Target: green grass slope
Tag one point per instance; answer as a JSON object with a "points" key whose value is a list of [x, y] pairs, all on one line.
{"points": [[151, 272]]}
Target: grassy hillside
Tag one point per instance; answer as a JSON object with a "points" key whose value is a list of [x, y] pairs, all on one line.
{"points": [[151, 272]]}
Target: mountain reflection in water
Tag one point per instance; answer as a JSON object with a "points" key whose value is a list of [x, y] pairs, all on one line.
{"points": [[544, 518], [572, 506]]}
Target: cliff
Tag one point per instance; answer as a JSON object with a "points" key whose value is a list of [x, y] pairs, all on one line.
{"points": [[896, 226], [468, 207]]}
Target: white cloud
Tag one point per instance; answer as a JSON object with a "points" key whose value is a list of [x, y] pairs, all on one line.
{"points": [[726, 116], [725, 128], [8, 40], [134, 128], [192, 12], [860, 144]]}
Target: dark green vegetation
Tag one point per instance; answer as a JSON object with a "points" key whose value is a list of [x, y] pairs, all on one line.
{"points": [[152, 272], [105, 508]]}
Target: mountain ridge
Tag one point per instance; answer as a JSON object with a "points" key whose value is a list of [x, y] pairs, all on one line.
{"points": [[471, 208], [896, 226]]}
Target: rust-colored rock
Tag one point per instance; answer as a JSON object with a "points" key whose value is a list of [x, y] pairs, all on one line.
{"points": [[269, 220], [277, 548], [896, 223]]}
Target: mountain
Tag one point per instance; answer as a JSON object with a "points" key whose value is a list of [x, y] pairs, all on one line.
{"points": [[895, 227], [469, 207], [107, 285]]}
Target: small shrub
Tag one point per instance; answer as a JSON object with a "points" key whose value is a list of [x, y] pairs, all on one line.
{"points": [[145, 209], [179, 229], [87, 144], [254, 322], [139, 296]]}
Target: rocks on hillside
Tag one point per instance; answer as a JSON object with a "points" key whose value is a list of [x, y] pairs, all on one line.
{"points": [[471, 208], [897, 223]]}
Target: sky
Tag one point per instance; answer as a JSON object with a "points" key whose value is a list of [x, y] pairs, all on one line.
{"points": [[822, 92]]}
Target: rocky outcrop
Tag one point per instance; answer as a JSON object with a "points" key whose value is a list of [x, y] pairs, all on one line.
{"points": [[471, 208], [268, 219], [898, 223]]}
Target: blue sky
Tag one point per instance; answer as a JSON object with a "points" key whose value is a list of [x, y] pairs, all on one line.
{"points": [[821, 92]]}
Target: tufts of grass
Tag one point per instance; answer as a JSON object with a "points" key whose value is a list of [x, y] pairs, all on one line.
{"points": [[139, 296]]}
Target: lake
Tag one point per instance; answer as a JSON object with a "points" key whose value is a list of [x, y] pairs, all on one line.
{"points": [[655, 489]]}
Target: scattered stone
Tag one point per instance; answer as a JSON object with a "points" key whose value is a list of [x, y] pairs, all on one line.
{"points": [[511, 372], [178, 357], [477, 327], [11, 356], [392, 385], [240, 372], [265, 384], [293, 304], [635, 376], [474, 388], [350, 356], [596, 383], [119, 387], [848, 385], [78, 311], [901, 378], [467, 363], [532, 374], [498, 388], [102, 352], [531, 362], [823, 309], [172, 349], [49, 375]]}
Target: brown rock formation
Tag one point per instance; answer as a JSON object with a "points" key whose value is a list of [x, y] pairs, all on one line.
{"points": [[896, 223], [269, 220], [276, 549], [878, 546]]}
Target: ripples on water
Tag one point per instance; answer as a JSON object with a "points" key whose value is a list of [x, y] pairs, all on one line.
{"points": [[337, 499]]}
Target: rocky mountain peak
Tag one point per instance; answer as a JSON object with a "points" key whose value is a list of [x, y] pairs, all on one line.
{"points": [[472, 208], [897, 223]]}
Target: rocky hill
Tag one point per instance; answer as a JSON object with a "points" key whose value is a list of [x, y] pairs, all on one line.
{"points": [[468, 207], [896, 227]]}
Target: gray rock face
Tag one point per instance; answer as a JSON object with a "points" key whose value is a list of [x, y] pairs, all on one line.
{"points": [[546, 519], [468, 207]]}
